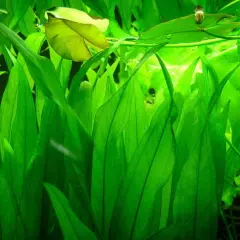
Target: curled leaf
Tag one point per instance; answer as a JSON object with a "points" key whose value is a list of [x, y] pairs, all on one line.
{"points": [[70, 32]]}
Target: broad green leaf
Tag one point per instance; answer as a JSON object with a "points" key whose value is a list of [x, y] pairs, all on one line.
{"points": [[43, 5], [34, 41], [77, 5], [83, 105], [18, 9], [107, 172], [24, 129], [150, 15], [10, 168], [62, 66], [148, 171], [185, 30], [46, 162], [26, 24], [196, 191], [169, 233], [10, 224], [72, 227], [217, 129], [168, 13], [8, 104], [199, 157], [40, 101], [100, 88], [18, 126], [137, 123], [225, 53], [78, 167], [31, 197], [69, 31], [126, 7], [232, 167], [135, 227], [99, 6], [79, 77], [184, 83], [110, 121], [44, 75], [52, 134], [40, 68]]}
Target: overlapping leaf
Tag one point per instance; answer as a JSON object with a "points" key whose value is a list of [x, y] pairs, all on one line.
{"points": [[185, 30], [72, 227], [69, 31]]}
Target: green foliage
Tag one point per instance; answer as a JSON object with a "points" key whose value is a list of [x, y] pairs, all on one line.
{"points": [[139, 139]]}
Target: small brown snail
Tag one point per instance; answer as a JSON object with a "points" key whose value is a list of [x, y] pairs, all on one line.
{"points": [[199, 14]]}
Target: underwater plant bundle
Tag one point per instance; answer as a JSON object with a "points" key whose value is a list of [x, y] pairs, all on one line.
{"points": [[119, 120]]}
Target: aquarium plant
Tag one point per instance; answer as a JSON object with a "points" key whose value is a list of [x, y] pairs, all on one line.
{"points": [[119, 119]]}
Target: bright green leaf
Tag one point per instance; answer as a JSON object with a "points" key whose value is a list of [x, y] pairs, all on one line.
{"points": [[72, 227]]}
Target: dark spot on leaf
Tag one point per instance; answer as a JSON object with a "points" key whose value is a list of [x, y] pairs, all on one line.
{"points": [[150, 101], [55, 36], [152, 91]]}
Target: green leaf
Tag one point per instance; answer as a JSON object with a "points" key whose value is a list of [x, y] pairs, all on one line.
{"points": [[44, 75], [184, 83], [99, 6], [101, 86], [40, 68], [79, 76], [18, 126], [34, 41], [126, 7], [69, 31], [110, 121], [62, 66], [11, 219], [83, 105], [26, 24], [71, 226], [18, 10], [10, 168], [24, 129], [217, 129], [185, 30], [149, 170], [150, 15], [137, 123], [11, 227], [52, 161], [169, 233], [8, 104], [199, 175]]}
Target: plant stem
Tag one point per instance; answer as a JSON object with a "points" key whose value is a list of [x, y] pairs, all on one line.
{"points": [[233, 147], [226, 224], [135, 43]]}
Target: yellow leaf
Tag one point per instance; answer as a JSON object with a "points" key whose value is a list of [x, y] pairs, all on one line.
{"points": [[69, 31]]}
